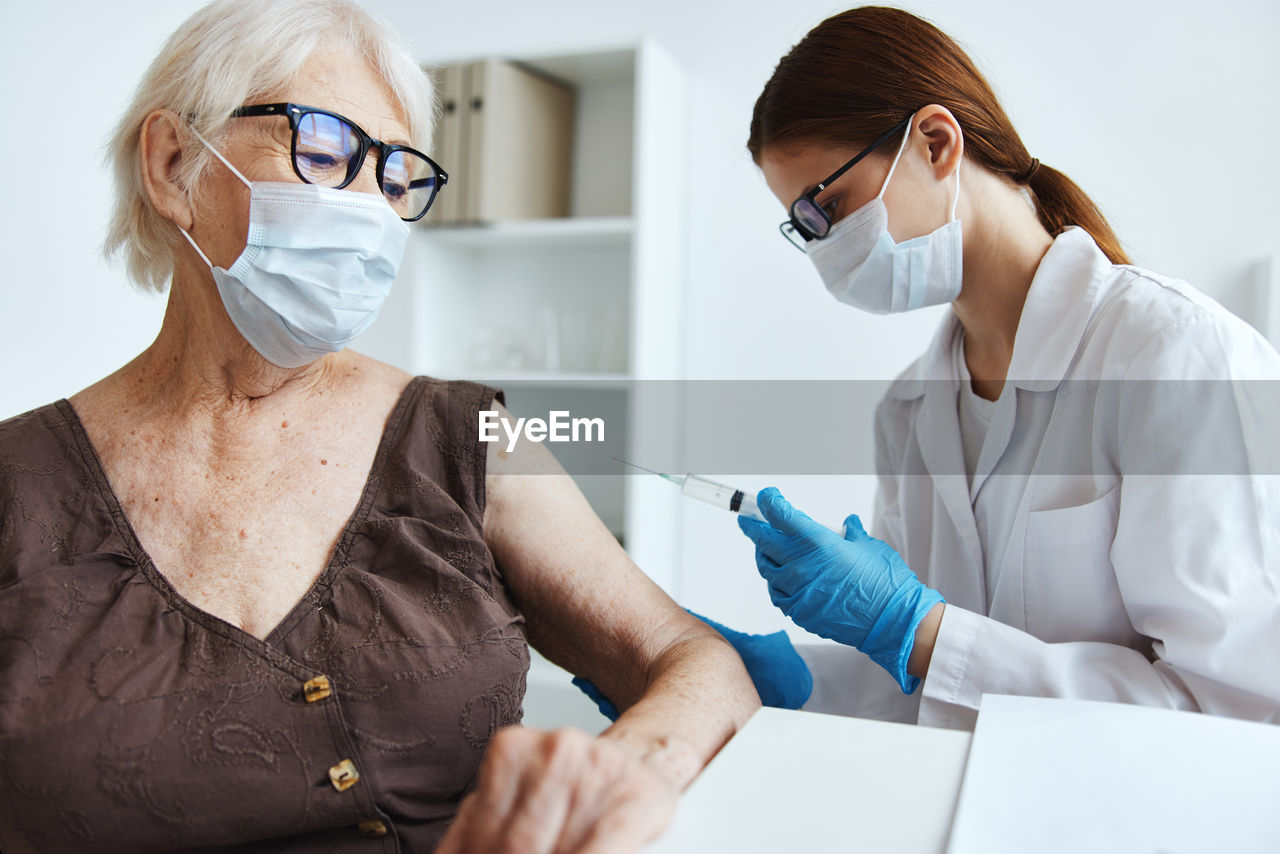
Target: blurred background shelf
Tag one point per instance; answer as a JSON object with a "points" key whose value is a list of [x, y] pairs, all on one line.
{"points": [[568, 312], [555, 232]]}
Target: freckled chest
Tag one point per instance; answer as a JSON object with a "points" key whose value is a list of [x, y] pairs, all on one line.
{"points": [[241, 525]]}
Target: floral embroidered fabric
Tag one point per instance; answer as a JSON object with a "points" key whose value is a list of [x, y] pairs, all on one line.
{"points": [[132, 721]]}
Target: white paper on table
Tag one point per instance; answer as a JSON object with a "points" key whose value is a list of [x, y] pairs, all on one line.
{"points": [[795, 782], [1049, 775]]}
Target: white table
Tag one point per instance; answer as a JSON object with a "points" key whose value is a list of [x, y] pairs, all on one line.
{"points": [[800, 782]]}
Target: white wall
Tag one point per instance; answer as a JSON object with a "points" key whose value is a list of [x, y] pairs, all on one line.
{"points": [[1164, 112], [66, 72]]}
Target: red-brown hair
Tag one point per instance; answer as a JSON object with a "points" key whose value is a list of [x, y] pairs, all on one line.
{"points": [[859, 73]]}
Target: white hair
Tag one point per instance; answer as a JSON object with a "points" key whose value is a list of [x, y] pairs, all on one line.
{"points": [[227, 54]]}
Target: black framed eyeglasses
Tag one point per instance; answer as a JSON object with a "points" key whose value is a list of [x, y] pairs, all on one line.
{"points": [[328, 149], [809, 220]]}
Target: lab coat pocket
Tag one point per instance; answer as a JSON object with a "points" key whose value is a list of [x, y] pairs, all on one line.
{"points": [[1069, 584]]}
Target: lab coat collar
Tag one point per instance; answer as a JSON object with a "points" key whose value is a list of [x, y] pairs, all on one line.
{"points": [[1058, 307], [1063, 293]]}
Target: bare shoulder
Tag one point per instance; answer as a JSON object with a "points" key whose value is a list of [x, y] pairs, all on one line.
{"points": [[363, 376], [108, 396], [362, 390]]}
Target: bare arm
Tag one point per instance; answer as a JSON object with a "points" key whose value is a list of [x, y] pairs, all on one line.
{"points": [[682, 688]]}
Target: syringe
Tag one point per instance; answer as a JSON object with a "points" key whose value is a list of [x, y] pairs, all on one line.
{"points": [[717, 494]]}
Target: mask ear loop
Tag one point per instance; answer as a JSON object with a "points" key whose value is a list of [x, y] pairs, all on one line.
{"points": [[225, 161], [234, 171], [901, 147], [203, 256], [956, 201]]}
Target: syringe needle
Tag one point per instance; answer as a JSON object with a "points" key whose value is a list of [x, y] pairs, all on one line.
{"points": [[670, 477], [635, 466]]}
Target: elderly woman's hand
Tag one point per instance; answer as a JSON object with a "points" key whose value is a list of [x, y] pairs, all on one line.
{"points": [[561, 792]]}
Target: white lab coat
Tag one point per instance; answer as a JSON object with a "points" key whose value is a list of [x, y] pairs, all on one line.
{"points": [[1121, 544]]}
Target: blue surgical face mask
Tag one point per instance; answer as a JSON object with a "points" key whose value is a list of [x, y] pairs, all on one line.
{"points": [[317, 266], [862, 266]]}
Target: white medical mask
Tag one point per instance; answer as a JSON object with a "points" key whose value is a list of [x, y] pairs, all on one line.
{"points": [[316, 268], [862, 266]]}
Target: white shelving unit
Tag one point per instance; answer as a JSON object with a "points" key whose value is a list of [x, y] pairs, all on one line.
{"points": [[575, 312], [527, 234]]}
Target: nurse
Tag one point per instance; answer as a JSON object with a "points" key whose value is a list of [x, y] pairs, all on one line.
{"points": [[1078, 490], [1077, 481]]}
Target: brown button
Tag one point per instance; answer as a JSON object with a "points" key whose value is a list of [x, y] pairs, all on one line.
{"points": [[372, 829], [343, 775], [316, 689]]}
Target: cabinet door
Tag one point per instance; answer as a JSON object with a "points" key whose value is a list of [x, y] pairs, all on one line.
{"points": [[519, 137], [452, 148]]}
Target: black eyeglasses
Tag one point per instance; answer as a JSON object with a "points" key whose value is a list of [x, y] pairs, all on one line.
{"points": [[329, 149], [809, 220]]}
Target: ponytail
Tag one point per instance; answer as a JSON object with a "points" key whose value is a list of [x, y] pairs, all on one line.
{"points": [[1060, 203], [857, 74]]}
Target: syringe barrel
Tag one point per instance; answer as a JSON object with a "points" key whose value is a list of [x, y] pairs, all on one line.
{"points": [[720, 495]]}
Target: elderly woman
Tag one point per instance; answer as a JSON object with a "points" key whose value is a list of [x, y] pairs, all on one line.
{"points": [[259, 592]]}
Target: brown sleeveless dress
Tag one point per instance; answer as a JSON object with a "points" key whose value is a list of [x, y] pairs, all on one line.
{"points": [[132, 721]]}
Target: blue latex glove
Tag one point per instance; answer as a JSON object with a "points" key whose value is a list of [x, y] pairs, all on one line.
{"points": [[853, 589], [781, 677], [586, 686]]}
